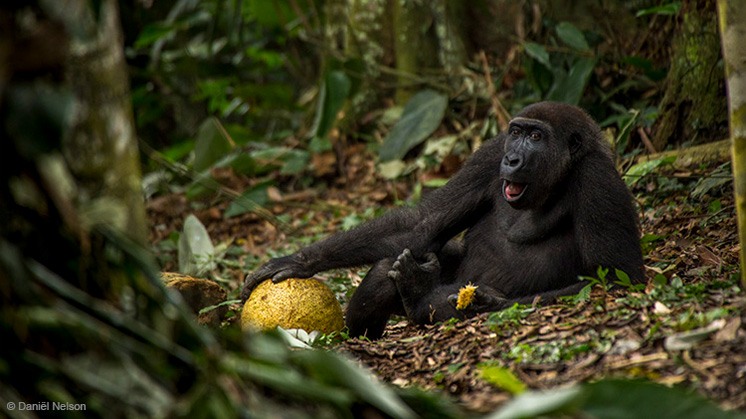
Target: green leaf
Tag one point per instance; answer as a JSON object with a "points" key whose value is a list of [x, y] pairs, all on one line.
{"points": [[541, 403], [568, 87], [250, 200], [538, 53], [622, 278], [421, 117], [720, 177], [627, 398], [585, 293], [332, 95], [572, 36], [196, 250], [640, 170], [243, 163], [273, 14], [502, 378], [212, 144], [290, 161], [329, 368], [665, 9], [154, 32], [296, 161]]}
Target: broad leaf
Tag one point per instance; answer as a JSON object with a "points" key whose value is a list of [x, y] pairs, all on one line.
{"points": [[250, 200], [538, 53], [665, 9], [572, 36], [541, 403], [332, 95], [327, 368], [421, 117], [611, 399], [568, 87], [640, 170], [212, 144], [196, 251], [502, 378]]}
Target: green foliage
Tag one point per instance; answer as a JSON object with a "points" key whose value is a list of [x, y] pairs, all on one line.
{"points": [[715, 181], [220, 59], [560, 74], [560, 349], [249, 200], [501, 377], [613, 399], [421, 117], [667, 9], [635, 173], [508, 317], [602, 281], [333, 92], [196, 251], [211, 144]]}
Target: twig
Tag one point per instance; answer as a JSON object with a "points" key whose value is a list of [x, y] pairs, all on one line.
{"points": [[503, 116]]}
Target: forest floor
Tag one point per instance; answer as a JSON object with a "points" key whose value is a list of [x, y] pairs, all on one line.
{"points": [[686, 328]]}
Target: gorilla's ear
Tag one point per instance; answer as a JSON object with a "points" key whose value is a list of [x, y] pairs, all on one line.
{"points": [[575, 142]]}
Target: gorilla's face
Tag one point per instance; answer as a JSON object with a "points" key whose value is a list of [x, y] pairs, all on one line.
{"points": [[535, 161]]}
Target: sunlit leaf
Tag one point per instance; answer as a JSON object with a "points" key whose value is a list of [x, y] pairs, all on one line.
{"points": [[421, 116], [502, 378], [664, 9], [196, 250], [640, 170]]}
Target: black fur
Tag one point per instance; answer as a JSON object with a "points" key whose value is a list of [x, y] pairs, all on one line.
{"points": [[541, 204]]}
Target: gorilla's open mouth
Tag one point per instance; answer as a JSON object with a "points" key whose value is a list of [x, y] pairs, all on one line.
{"points": [[512, 191]]}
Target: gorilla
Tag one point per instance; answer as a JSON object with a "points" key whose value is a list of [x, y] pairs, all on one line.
{"points": [[538, 206]]}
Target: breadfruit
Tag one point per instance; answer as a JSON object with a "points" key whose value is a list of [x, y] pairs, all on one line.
{"points": [[305, 304]]}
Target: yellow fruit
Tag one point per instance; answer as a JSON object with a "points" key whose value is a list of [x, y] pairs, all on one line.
{"points": [[305, 304], [465, 296]]}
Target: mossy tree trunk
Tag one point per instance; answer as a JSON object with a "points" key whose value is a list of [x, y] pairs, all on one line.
{"points": [[733, 30], [101, 146], [694, 101], [428, 41]]}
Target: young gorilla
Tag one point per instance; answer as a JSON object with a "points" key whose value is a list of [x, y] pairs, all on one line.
{"points": [[541, 204]]}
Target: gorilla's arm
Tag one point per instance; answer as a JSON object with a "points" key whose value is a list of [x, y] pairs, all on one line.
{"points": [[425, 228], [606, 221]]}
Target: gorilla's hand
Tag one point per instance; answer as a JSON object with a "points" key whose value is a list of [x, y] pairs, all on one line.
{"points": [[485, 300], [278, 269]]}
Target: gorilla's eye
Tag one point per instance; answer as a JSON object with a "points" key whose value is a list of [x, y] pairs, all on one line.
{"points": [[515, 132], [535, 135]]}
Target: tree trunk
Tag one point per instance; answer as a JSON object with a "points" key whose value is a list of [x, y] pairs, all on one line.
{"points": [[427, 42], [101, 147], [694, 101], [732, 15]]}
